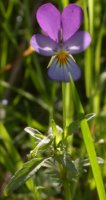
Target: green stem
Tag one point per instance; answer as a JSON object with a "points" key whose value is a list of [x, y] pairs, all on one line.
{"points": [[66, 186], [65, 2], [89, 146], [67, 192], [88, 52], [67, 106], [67, 116], [64, 109]]}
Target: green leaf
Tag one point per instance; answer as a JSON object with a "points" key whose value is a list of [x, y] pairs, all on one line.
{"points": [[72, 171], [34, 133], [68, 167], [6, 161], [42, 145], [22, 175], [76, 124], [26, 95], [90, 116], [89, 145], [56, 131], [87, 163], [10, 148], [45, 141]]}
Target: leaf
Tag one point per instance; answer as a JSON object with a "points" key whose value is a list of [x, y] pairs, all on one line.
{"points": [[68, 165], [71, 169], [10, 148], [45, 141], [56, 131], [76, 124], [26, 95], [87, 163], [90, 116], [22, 175], [42, 145], [9, 156], [34, 133]]}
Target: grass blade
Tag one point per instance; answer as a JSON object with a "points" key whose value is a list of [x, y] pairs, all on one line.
{"points": [[89, 146]]}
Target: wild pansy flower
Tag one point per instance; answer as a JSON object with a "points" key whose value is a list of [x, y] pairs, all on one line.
{"points": [[60, 39]]}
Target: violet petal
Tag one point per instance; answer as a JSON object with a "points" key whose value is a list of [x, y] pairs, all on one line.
{"points": [[72, 17], [73, 69], [43, 44], [55, 72], [48, 18], [59, 72], [78, 42]]}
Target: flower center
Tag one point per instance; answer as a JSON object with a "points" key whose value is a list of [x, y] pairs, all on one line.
{"points": [[62, 57]]}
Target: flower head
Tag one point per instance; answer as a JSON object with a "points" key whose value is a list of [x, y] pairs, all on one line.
{"points": [[61, 39]]}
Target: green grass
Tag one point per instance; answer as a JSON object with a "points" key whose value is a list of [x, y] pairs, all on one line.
{"points": [[34, 99]]}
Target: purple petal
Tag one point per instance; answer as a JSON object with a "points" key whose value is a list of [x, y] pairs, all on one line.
{"points": [[73, 69], [72, 17], [55, 71], [78, 42], [48, 18], [60, 72], [43, 44]]}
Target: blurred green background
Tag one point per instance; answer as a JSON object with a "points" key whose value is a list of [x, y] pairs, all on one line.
{"points": [[29, 98]]}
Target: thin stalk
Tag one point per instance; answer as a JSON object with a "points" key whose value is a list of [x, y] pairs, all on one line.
{"points": [[67, 117], [64, 109], [67, 192], [69, 104], [91, 16], [97, 97], [89, 146], [66, 185], [66, 91], [65, 2], [88, 54]]}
